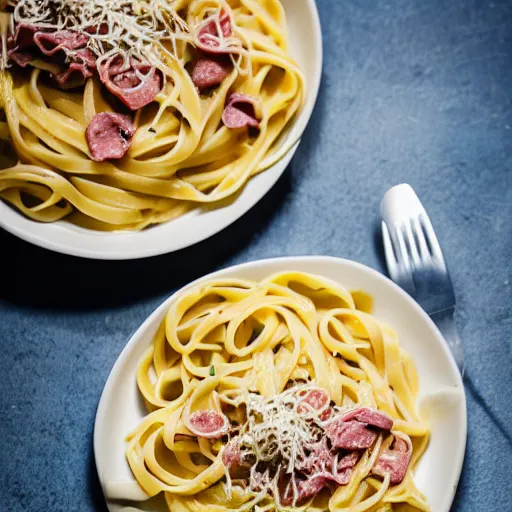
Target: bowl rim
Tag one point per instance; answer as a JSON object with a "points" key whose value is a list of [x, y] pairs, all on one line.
{"points": [[34, 232], [283, 262]]}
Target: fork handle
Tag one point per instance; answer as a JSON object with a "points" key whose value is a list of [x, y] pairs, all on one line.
{"points": [[446, 324]]}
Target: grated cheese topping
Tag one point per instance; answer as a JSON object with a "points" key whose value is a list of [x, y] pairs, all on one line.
{"points": [[278, 436], [145, 29]]}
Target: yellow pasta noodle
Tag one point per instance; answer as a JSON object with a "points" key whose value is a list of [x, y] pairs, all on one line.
{"points": [[229, 348]]}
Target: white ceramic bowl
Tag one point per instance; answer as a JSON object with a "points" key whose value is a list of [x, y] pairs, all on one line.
{"points": [[306, 47], [442, 397]]}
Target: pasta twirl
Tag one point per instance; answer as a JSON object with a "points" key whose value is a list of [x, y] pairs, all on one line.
{"points": [[189, 147], [277, 394]]}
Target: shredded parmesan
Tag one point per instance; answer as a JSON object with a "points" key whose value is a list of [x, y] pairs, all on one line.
{"points": [[147, 30], [278, 436], [144, 29]]}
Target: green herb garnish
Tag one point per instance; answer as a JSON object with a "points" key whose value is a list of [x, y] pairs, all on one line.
{"points": [[212, 370]]}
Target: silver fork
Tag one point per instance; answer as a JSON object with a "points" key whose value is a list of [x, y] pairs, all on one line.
{"points": [[416, 263]]}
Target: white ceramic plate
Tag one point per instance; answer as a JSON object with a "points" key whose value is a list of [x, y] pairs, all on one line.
{"points": [[442, 397], [306, 47]]}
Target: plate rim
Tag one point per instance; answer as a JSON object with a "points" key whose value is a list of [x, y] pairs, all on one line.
{"points": [[283, 261], [141, 251]]}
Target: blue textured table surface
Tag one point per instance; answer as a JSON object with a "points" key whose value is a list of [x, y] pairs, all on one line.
{"points": [[412, 91]]}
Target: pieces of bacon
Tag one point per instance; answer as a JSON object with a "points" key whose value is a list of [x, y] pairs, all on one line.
{"points": [[324, 461], [208, 424], [108, 136], [232, 455], [240, 112], [306, 489], [371, 417], [350, 435], [51, 43], [317, 400], [135, 83], [20, 58], [330, 462], [320, 459], [209, 39], [394, 461], [351, 432], [322, 472], [209, 72], [23, 36], [237, 463], [75, 67], [123, 79], [65, 48]]}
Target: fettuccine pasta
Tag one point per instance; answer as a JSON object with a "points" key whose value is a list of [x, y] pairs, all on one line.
{"points": [[274, 395], [222, 90]]}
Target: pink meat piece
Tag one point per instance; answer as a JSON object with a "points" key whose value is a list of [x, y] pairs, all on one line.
{"points": [[45, 45], [324, 467], [208, 38], [315, 399], [240, 112], [121, 79], [322, 462], [208, 424], [319, 460], [126, 80], [342, 477], [86, 57], [394, 461], [103, 29], [52, 42], [345, 468], [325, 415], [325, 462], [348, 461], [23, 36], [306, 489], [371, 417], [73, 69], [350, 435], [81, 65], [232, 456], [108, 136], [235, 461], [20, 58], [116, 66], [209, 72]]}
